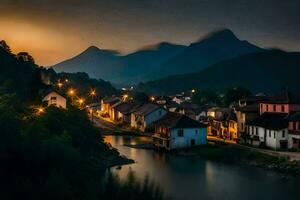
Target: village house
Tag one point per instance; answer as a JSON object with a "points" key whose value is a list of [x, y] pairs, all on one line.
{"points": [[245, 114], [167, 103], [271, 127], [122, 111], [191, 110], [180, 98], [232, 130], [143, 117], [294, 131], [175, 131], [111, 111], [270, 130], [106, 103], [218, 124], [285, 102], [55, 98]]}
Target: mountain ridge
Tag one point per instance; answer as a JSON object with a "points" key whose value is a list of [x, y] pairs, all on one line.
{"points": [[158, 60], [266, 71]]}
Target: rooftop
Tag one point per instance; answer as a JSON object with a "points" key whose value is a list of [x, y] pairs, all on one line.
{"points": [[274, 121], [285, 97], [126, 107], [294, 117], [176, 120], [111, 100], [252, 108], [146, 109]]}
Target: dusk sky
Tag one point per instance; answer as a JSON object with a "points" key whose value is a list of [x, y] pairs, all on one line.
{"points": [[53, 30]]}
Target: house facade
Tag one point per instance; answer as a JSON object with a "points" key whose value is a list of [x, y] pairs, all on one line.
{"points": [[145, 115], [122, 112], [270, 130], [294, 131], [54, 98], [276, 127], [175, 131], [232, 129], [107, 103]]}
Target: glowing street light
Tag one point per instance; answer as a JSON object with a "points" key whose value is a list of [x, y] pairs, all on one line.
{"points": [[40, 110], [152, 98], [93, 93], [125, 97], [66, 80], [80, 101], [193, 90], [59, 84], [71, 92]]}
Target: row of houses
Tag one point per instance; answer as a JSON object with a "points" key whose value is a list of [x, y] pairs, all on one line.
{"points": [[170, 129], [266, 121]]}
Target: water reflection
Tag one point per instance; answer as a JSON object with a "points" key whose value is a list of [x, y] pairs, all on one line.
{"points": [[192, 178]]}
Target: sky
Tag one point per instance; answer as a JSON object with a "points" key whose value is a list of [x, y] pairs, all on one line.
{"points": [[54, 30]]}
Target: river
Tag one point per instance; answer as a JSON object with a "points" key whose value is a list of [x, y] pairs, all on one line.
{"points": [[189, 178]]}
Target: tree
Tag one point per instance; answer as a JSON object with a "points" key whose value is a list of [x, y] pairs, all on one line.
{"points": [[235, 94], [203, 97], [25, 57], [5, 46]]}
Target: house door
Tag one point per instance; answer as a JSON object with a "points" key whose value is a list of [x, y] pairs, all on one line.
{"points": [[283, 144], [193, 142]]}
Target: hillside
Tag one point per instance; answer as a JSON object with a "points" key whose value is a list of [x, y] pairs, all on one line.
{"points": [[264, 71], [18, 76]]}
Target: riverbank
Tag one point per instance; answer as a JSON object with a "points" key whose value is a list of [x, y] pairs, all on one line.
{"points": [[236, 154]]}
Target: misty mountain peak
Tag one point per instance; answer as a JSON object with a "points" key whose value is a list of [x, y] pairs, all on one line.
{"points": [[92, 49], [220, 35]]}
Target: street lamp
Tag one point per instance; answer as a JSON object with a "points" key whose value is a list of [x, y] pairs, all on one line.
{"points": [[152, 98], [40, 110], [125, 97], [80, 101], [59, 84], [71, 92]]}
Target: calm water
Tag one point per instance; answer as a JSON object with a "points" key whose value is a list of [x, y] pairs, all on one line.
{"points": [[190, 178]]}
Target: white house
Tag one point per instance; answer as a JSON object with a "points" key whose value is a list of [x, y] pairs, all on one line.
{"points": [[174, 131], [145, 115], [270, 130], [56, 99]]}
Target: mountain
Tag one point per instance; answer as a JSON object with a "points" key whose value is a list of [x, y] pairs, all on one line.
{"points": [[215, 47], [96, 62], [159, 60], [142, 63], [267, 71], [112, 66]]}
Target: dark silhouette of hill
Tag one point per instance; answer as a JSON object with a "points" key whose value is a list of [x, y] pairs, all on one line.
{"points": [[266, 71], [110, 65], [159, 60], [215, 47]]}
